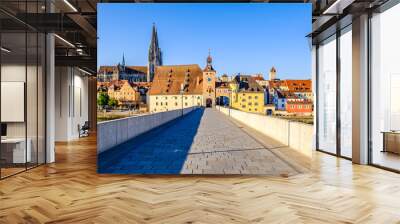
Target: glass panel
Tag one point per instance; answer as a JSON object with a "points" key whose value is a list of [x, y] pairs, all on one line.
{"points": [[385, 84], [346, 93], [13, 87], [41, 98], [31, 98], [327, 95]]}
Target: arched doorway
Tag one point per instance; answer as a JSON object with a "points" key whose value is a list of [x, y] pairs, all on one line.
{"points": [[224, 101], [208, 102]]}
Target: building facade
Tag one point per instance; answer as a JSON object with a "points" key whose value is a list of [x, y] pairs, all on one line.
{"points": [[180, 86], [247, 95], [122, 72], [222, 93], [209, 77], [125, 93], [176, 87], [299, 106]]}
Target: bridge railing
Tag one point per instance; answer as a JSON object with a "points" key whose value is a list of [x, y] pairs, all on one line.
{"points": [[296, 135], [114, 132]]}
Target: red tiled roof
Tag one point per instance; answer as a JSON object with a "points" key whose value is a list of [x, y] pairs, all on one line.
{"points": [[141, 69], [299, 85], [108, 69], [168, 79]]}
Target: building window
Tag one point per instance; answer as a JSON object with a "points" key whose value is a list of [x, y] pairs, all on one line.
{"points": [[255, 97]]}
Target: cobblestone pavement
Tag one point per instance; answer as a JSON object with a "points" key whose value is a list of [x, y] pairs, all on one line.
{"points": [[203, 142]]}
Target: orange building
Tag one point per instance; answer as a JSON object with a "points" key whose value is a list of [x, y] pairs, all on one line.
{"points": [[301, 88], [299, 106]]}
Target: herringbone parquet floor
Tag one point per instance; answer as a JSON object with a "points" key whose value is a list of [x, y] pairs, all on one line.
{"points": [[70, 191]]}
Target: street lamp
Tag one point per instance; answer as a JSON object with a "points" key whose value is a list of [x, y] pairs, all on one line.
{"points": [[182, 98], [230, 101]]}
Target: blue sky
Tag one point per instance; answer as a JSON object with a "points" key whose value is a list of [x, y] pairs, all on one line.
{"points": [[245, 38]]}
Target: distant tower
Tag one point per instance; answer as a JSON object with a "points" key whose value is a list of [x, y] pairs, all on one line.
{"points": [[209, 75], [123, 62], [272, 73], [155, 55]]}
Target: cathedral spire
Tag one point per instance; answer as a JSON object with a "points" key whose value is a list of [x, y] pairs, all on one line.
{"points": [[123, 59], [155, 55], [154, 37]]}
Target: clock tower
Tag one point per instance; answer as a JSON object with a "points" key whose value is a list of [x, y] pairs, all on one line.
{"points": [[209, 83]]}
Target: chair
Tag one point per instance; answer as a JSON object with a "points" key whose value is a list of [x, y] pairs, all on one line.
{"points": [[84, 130]]}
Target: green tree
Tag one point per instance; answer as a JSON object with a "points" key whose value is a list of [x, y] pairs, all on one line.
{"points": [[103, 100], [112, 103]]}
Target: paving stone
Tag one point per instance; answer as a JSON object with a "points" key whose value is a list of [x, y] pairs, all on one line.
{"points": [[203, 142]]}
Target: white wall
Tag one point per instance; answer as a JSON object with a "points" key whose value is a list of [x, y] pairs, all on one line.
{"points": [[33, 125], [174, 102], [71, 102], [296, 135]]}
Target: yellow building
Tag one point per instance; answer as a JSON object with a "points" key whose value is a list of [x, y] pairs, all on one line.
{"points": [[249, 101], [247, 95], [124, 92]]}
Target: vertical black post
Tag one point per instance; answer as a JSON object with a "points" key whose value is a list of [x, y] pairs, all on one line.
{"points": [[182, 102], [230, 103], [369, 90]]}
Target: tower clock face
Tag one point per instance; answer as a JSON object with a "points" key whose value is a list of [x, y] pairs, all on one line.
{"points": [[209, 79]]}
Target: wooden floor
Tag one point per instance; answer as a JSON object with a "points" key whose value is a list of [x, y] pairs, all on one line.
{"points": [[70, 191]]}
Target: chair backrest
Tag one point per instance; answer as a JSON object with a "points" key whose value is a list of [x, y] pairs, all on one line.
{"points": [[86, 125]]}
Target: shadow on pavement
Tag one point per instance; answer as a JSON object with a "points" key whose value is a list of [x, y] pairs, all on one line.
{"points": [[162, 150]]}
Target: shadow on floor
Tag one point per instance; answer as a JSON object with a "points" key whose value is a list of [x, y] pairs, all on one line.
{"points": [[159, 151]]}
